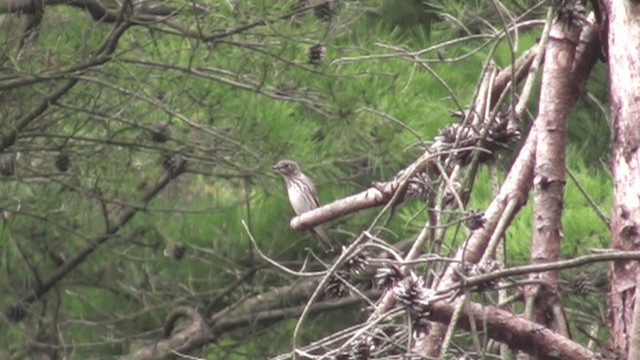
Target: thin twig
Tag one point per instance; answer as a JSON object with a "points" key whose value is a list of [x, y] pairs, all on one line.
{"points": [[589, 199]]}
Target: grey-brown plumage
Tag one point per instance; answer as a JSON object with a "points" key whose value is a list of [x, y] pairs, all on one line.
{"points": [[302, 196]]}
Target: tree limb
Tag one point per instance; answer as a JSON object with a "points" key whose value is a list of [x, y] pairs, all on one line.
{"points": [[95, 243]]}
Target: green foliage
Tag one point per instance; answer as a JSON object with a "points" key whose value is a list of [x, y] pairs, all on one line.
{"points": [[235, 106], [583, 229], [413, 18]]}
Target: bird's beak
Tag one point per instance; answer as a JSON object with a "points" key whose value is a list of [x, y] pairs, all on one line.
{"points": [[275, 168]]}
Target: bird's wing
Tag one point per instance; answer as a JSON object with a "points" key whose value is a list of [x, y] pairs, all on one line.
{"points": [[314, 194]]}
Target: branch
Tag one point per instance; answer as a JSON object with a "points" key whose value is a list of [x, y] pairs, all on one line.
{"points": [[182, 312], [556, 97], [260, 310], [221, 34], [520, 69], [103, 53], [504, 326], [381, 193], [538, 268], [514, 191], [376, 195], [94, 243], [9, 138], [97, 10]]}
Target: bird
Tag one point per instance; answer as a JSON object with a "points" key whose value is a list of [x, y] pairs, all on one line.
{"points": [[302, 196]]}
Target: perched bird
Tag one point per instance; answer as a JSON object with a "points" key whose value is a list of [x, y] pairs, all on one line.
{"points": [[302, 196]]}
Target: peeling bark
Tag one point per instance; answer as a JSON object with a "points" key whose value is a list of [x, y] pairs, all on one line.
{"points": [[624, 76]]}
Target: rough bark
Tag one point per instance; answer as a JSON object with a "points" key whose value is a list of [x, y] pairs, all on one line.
{"points": [[624, 80], [549, 179], [516, 186]]}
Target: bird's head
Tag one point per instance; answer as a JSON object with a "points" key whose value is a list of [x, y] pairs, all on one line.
{"points": [[286, 168]]}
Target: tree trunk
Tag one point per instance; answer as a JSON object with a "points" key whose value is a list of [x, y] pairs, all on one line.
{"points": [[624, 74], [556, 101]]}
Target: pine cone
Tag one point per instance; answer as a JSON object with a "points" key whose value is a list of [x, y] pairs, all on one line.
{"points": [[388, 276], [449, 197], [316, 54], [362, 350], [325, 11], [62, 163], [474, 220], [7, 166], [453, 137], [335, 287], [412, 293], [173, 163], [587, 282], [161, 132], [16, 313], [421, 185], [357, 263], [176, 252], [499, 137], [571, 13]]}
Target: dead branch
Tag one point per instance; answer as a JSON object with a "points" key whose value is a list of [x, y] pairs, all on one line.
{"points": [[514, 192], [381, 193], [504, 326]]}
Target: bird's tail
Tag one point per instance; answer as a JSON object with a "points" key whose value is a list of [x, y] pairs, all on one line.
{"points": [[320, 236]]}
